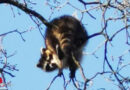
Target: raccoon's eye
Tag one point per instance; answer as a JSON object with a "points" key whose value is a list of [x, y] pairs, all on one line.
{"points": [[49, 67], [54, 65]]}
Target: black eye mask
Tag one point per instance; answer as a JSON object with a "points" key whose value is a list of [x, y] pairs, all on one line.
{"points": [[51, 67]]}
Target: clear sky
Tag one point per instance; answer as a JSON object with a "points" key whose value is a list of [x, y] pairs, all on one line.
{"points": [[27, 53]]}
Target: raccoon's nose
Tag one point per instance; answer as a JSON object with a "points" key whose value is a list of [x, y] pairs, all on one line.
{"points": [[39, 65]]}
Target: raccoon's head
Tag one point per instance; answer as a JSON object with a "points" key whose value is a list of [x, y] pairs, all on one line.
{"points": [[48, 61]]}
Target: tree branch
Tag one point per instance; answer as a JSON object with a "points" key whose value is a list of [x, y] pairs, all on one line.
{"points": [[24, 8]]}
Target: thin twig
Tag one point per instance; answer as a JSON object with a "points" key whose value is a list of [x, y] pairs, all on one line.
{"points": [[27, 10], [15, 31]]}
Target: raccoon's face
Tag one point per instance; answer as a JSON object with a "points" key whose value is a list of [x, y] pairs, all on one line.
{"points": [[48, 61]]}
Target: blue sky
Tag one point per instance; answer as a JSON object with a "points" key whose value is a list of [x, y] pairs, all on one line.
{"points": [[27, 53]]}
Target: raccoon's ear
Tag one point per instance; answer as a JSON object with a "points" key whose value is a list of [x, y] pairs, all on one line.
{"points": [[42, 50]]}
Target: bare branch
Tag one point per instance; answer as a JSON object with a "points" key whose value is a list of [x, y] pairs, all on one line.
{"points": [[111, 73], [109, 65], [27, 10], [118, 32], [88, 3], [16, 31], [52, 82]]}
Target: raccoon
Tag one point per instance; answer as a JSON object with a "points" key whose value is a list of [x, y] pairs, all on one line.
{"points": [[64, 40]]}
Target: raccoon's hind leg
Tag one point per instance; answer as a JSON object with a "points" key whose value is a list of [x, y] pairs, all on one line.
{"points": [[74, 64], [72, 67], [59, 52], [72, 70], [60, 56]]}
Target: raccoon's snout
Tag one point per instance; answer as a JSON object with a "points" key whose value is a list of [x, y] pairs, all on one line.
{"points": [[39, 65]]}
